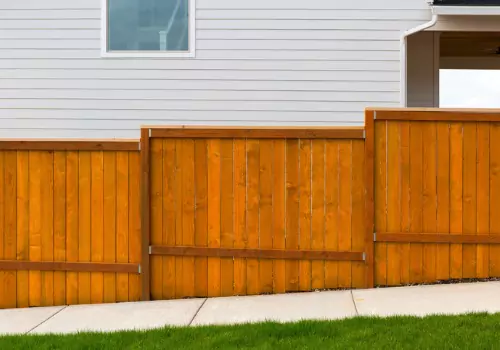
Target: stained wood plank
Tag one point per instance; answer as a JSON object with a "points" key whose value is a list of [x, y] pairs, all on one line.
{"points": [[416, 199], [84, 228], [469, 252], [380, 201], [483, 197], [393, 202], [253, 200], [443, 199], [239, 224], [494, 197], [122, 223], [201, 217], [59, 225], [266, 214], [226, 208], [10, 225], [188, 235], [456, 199], [214, 189], [345, 210], [279, 199], [22, 226], [292, 212], [305, 169], [331, 210], [35, 214], [156, 212], [369, 197], [109, 224], [358, 212], [135, 241], [318, 210], [179, 290], [72, 228], [429, 198], [404, 154], [3, 292], [97, 225]]}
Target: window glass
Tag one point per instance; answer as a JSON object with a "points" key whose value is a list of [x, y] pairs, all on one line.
{"points": [[148, 25]]}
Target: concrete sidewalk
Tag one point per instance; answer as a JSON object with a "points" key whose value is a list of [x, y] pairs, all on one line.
{"points": [[418, 301]]}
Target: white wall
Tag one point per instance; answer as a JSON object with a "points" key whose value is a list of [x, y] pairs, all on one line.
{"points": [[266, 62]]}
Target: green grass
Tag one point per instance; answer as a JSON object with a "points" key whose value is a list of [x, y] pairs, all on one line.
{"points": [[476, 331]]}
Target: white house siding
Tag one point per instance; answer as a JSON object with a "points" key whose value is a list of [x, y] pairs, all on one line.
{"points": [[258, 62]]}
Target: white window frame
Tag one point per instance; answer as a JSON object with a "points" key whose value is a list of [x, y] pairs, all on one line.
{"points": [[191, 53]]}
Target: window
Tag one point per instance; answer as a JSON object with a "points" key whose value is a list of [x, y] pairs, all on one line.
{"points": [[148, 28]]}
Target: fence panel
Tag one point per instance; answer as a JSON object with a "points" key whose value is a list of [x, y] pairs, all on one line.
{"points": [[242, 212], [69, 212], [436, 184]]}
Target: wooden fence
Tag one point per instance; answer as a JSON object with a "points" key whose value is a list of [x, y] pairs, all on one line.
{"points": [[437, 195], [193, 212], [69, 222]]}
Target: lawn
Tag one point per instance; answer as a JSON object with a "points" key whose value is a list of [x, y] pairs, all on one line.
{"points": [[478, 331]]}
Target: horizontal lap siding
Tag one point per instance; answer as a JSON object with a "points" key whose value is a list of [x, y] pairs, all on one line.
{"points": [[293, 194], [257, 63], [69, 207]]}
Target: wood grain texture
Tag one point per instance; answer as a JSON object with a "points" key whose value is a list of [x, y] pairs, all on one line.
{"points": [[226, 214], [427, 237], [345, 210], [22, 226], [10, 226], [292, 212], [145, 160], [49, 266], [279, 207], [483, 197], [370, 197], [318, 211], [447, 115], [380, 200], [456, 196], [253, 211], [416, 199], [156, 213], [214, 190], [266, 214], [305, 212], [332, 211], [69, 145], [239, 223], [494, 198]]}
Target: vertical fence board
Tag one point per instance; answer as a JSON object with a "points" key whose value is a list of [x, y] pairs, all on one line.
{"points": [[393, 202], [84, 226], [134, 217], [456, 199], [429, 198], [122, 224], [305, 211], [292, 213], [253, 200], [494, 198], [469, 251], [72, 223], [97, 225], [345, 210], [179, 289], [416, 189], [35, 252], [279, 213], [404, 154], [10, 225], [358, 212], [201, 216], [214, 188], [59, 225], [156, 194], [381, 201], [331, 209], [22, 226], [240, 202], [188, 215], [3, 290], [318, 211], [109, 224], [266, 215], [226, 224], [483, 197], [443, 199]]}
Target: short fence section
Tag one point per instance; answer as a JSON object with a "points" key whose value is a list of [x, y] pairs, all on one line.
{"points": [[236, 212], [437, 196], [69, 222]]}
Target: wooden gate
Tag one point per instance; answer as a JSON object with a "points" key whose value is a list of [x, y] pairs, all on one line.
{"points": [[253, 211], [436, 195]]}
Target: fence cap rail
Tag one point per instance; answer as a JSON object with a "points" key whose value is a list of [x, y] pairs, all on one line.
{"points": [[435, 114], [440, 110], [69, 145], [275, 132]]}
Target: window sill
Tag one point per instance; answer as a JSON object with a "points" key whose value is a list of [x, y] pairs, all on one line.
{"points": [[147, 54]]}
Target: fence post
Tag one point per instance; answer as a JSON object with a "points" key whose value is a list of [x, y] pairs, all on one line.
{"points": [[369, 196], [145, 218]]}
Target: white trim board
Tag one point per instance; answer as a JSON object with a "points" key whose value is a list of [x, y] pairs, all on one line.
{"points": [[466, 10]]}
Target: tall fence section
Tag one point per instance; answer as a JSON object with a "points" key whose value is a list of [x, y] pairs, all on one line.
{"points": [[206, 212]]}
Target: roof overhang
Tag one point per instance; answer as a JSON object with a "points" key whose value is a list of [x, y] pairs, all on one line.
{"points": [[466, 10]]}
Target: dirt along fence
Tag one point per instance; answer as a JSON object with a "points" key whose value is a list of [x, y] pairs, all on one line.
{"points": [[200, 211], [69, 222]]}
